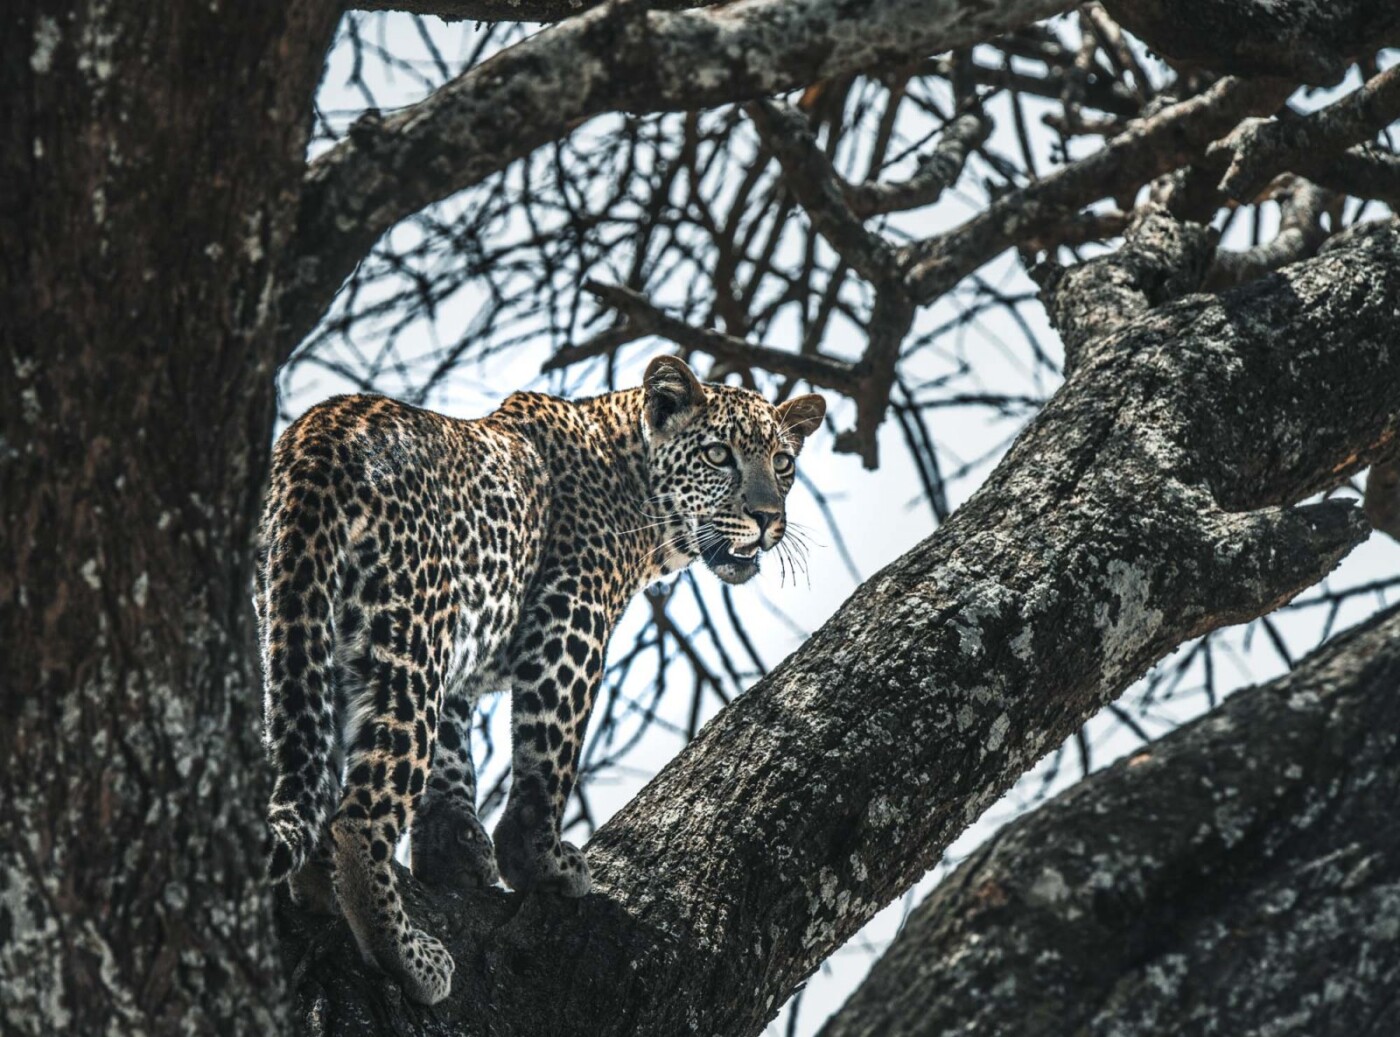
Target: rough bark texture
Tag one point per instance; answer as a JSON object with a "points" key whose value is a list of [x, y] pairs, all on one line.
{"points": [[1161, 259], [1127, 518], [1383, 497], [1310, 40], [1259, 149], [508, 10], [149, 155], [1241, 875]]}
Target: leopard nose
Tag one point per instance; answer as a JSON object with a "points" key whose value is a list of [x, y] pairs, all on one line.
{"points": [[764, 517]]}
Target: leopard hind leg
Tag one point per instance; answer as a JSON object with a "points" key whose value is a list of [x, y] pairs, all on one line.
{"points": [[313, 886], [385, 776]]}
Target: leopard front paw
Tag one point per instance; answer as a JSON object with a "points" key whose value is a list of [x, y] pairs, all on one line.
{"points": [[424, 967], [539, 860], [450, 846]]}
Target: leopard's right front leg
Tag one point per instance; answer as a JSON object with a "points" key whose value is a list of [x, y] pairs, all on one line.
{"points": [[553, 690]]}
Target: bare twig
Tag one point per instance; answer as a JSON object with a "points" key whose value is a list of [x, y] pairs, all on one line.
{"points": [[938, 171], [808, 174], [617, 57], [645, 318], [1259, 149], [1301, 231], [1148, 149]]}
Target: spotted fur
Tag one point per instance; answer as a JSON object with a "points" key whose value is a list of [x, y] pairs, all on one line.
{"points": [[411, 562]]}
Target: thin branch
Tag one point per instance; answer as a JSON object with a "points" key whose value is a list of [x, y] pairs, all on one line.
{"points": [[1160, 143], [1301, 232], [615, 57], [820, 191], [647, 319], [509, 10], [937, 172]]}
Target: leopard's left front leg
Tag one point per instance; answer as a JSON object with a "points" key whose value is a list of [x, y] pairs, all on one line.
{"points": [[558, 665], [450, 845]]}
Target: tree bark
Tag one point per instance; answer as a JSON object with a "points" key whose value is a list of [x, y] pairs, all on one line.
{"points": [[1161, 260], [1299, 39], [1241, 875], [150, 156], [1148, 503], [508, 10]]}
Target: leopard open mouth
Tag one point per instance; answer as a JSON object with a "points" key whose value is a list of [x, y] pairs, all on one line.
{"points": [[729, 566]]}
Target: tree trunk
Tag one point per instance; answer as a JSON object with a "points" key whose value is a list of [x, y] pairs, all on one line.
{"points": [[1141, 508], [150, 153], [1241, 875]]}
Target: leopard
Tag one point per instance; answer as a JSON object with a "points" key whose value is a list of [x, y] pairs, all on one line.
{"points": [[410, 562]]}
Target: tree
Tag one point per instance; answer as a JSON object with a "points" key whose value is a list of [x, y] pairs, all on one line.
{"points": [[1246, 882], [167, 244]]}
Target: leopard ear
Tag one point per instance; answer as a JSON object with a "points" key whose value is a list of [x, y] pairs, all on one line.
{"points": [[802, 414], [674, 395]]}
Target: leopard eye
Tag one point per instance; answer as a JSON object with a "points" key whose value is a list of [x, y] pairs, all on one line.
{"points": [[718, 455], [782, 464]]}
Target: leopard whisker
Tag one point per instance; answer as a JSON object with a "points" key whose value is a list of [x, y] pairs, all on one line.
{"points": [[798, 565]]}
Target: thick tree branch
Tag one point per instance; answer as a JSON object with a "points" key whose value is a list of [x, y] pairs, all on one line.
{"points": [[618, 57], [1297, 39], [1363, 173], [1382, 505], [1147, 503], [1161, 259], [1067, 922]]}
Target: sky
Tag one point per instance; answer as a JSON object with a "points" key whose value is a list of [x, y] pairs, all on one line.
{"points": [[879, 514]]}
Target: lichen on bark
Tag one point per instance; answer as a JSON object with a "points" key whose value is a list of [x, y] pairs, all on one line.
{"points": [[1240, 875]]}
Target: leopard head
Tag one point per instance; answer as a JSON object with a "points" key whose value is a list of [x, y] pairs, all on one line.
{"points": [[721, 461]]}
